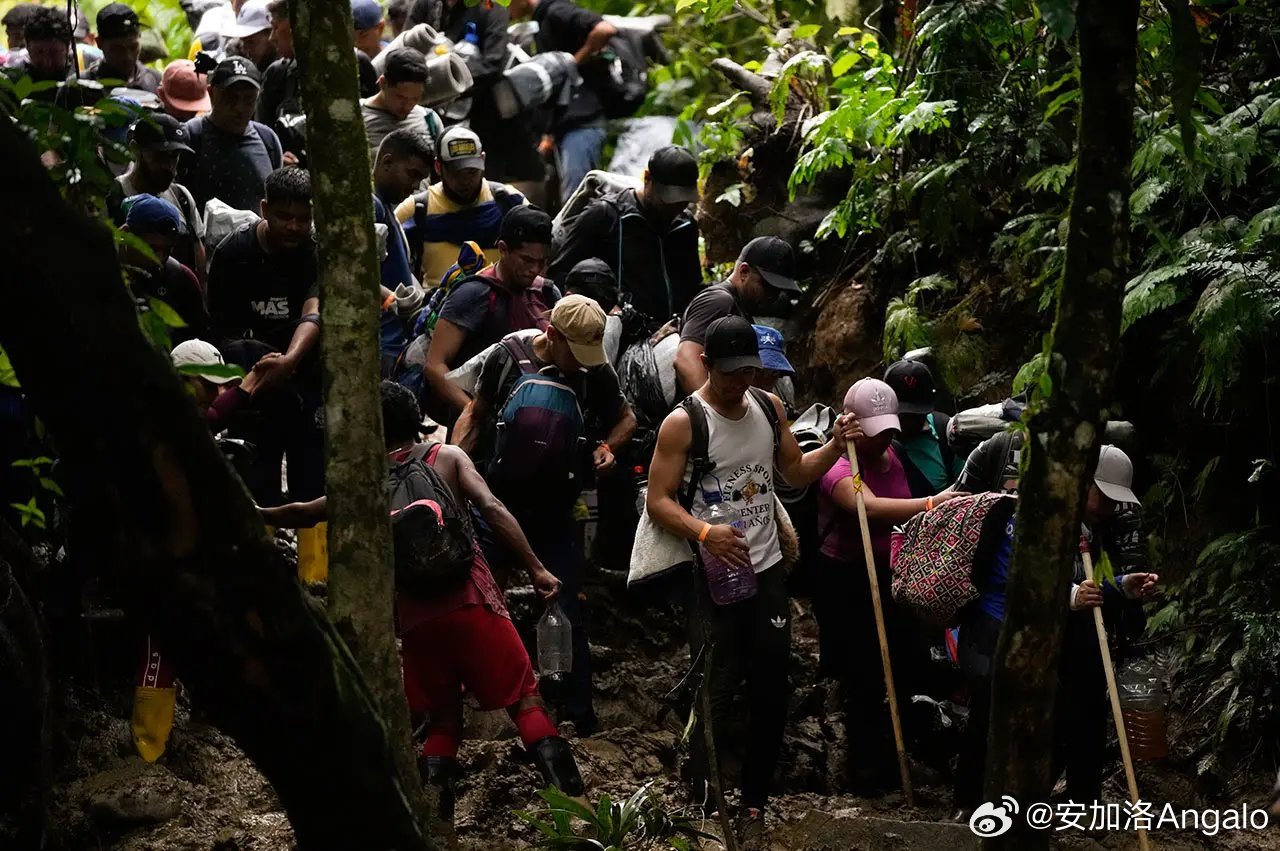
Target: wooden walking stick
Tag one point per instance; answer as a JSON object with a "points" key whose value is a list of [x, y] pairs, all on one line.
{"points": [[1114, 693], [874, 581]]}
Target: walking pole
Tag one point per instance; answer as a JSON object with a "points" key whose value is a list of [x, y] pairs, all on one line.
{"points": [[1114, 694], [874, 581]]}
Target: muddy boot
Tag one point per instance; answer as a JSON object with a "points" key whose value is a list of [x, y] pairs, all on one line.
{"points": [[555, 762], [750, 828], [443, 773]]}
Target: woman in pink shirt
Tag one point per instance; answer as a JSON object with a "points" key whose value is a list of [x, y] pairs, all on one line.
{"points": [[850, 646]]}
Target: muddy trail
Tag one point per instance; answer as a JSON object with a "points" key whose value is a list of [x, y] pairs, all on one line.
{"points": [[205, 794]]}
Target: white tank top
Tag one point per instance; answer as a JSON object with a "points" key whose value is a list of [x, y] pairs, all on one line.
{"points": [[742, 452]]}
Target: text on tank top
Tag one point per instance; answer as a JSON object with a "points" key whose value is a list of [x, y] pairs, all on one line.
{"points": [[742, 452]]}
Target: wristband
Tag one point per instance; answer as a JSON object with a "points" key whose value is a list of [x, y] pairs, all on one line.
{"points": [[706, 530], [928, 503], [605, 445]]}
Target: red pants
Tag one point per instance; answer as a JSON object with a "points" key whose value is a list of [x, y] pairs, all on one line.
{"points": [[472, 647]]}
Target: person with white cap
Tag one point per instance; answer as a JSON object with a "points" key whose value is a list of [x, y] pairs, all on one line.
{"points": [[522, 431], [218, 394], [849, 644], [250, 35], [723, 446]]}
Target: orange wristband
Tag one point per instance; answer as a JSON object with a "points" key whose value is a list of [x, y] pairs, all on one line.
{"points": [[928, 503], [706, 530]]}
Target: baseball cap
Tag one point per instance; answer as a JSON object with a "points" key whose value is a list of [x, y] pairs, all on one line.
{"points": [[674, 175], [1114, 475], [875, 404], [182, 88], [460, 148], [199, 353], [235, 69], [912, 381], [252, 18], [773, 259], [580, 320], [731, 344], [773, 353], [365, 14], [159, 133], [149, 214], [116, 20], [591, 270], [525, 224]]}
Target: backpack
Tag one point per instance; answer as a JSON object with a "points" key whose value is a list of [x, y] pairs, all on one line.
{"points": [[410, 366], [812, 430], [431, 534], [932, 557], [541, 435], [625, 84], [597, 185]]}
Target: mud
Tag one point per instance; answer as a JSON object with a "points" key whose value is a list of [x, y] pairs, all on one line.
{"points": [[205, 795]]}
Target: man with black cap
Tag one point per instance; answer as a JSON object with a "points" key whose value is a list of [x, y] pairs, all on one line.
{"points": [[233, 154], [647, 236], [922, 446], [511, 295], [744, 446], [156, 142], [764, 270], [120, 37]]}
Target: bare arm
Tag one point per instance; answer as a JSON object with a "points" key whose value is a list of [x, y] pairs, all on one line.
{"points": [[623, 429], [879, 509], [804, 468], [596, 40], [466, 431], [305, 336], [446, 342], [476, 491], [297, 515], [690, 371]]}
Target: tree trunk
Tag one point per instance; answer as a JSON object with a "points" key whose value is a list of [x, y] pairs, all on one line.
{"points": [[184, 539], [1065, 432], [361, 576]]}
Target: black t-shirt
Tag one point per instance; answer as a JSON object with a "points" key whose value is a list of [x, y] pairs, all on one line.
{"points": [[598, 390], [256, 295], [176, 286], [714, 302], [564, 25], [141, 77]]}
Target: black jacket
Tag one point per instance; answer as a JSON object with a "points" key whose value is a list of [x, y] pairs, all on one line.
{"points": [[658, 272]]}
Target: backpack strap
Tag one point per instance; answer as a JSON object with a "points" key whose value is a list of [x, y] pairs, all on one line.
{"points": [[771, 414], [699, 449], [432, 454]]}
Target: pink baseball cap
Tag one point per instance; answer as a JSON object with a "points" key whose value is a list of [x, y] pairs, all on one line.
{"points": [[875, 404], [182, 88]]}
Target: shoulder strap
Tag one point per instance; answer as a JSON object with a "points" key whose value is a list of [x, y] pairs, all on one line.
{"points": [[699, 449], [770, 412], [938, 422], [432, 454], [521, 355]]}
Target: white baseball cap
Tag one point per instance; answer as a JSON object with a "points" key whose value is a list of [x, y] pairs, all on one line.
{"points": [[252, 18], [1114, 475], [460, 148], [199, 353]]}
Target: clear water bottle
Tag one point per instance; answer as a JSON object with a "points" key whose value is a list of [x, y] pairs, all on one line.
{"points": [[470, 44], [642, 490], [727, 583], [555, 642]]}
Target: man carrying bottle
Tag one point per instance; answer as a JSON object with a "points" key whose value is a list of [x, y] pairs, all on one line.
{"points": [[744, 444]]}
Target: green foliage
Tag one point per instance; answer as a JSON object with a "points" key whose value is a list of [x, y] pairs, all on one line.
{"points": [[640, 822], [165, 17], [904, 328]]}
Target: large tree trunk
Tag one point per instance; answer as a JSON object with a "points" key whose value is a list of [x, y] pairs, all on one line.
{"points": [[184, 539], [361, 577], [1065, 432]]}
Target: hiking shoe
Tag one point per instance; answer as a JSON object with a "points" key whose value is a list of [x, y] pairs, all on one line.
{"points": [[554, 760], [752, 835], [443, 773]]}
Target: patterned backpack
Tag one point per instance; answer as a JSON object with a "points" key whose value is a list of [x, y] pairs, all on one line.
{"points": [[932, 556]]}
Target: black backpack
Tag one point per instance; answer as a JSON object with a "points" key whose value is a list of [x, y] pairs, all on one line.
{"points": [[625, 83], [430, 532]]}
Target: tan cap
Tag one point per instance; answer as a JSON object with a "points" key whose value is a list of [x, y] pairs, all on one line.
{"points": [[580, 320]]}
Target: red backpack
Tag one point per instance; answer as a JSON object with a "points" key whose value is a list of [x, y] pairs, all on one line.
{"points": [[932, 556]]}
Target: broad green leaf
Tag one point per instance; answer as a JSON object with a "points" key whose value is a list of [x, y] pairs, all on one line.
{"points": [[1186, 70], [166, 313], [806, 31], [844, 62], [1059, 16], [8, 378], [224, 370]]}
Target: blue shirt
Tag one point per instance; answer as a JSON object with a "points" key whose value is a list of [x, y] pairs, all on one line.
{"points": [[992, 600]]}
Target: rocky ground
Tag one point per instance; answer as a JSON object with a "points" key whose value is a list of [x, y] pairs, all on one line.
{"points": [[205, 795]]}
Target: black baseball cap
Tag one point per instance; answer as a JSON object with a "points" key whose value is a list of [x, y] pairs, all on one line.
{"points": [[731, 344], [673, 172], [525, 224], [160, 132], [913, 382], [117, 20], [593, 270], [232, 70], [774, 260]]}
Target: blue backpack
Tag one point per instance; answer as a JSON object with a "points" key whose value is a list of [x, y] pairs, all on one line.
{"points": [[541, 434]]}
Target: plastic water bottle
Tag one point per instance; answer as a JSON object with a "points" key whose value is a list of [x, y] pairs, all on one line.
{"points": [[642, 490], [470, 44], [555, 641], [727, 583]]}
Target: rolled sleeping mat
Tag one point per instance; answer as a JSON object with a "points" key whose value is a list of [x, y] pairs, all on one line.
{"points": [[423, 38], [532, 84], [448, 78]]}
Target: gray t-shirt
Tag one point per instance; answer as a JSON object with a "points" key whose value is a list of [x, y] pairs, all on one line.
{"points": [[714, 302], [378, 123], [232, 168]]}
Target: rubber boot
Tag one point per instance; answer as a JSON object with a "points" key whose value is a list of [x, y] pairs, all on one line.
{"points": [[555, 762], [442, 772], [152, 720]]}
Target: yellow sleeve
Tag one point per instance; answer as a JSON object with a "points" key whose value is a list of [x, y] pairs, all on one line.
{"points": [[404, 210]]}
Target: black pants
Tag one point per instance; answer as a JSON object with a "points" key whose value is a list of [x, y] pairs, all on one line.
{"points": [[751, 642], [978, 637]]}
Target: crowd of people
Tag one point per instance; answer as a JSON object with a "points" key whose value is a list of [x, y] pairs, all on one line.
{"points": [[521, 369]]}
